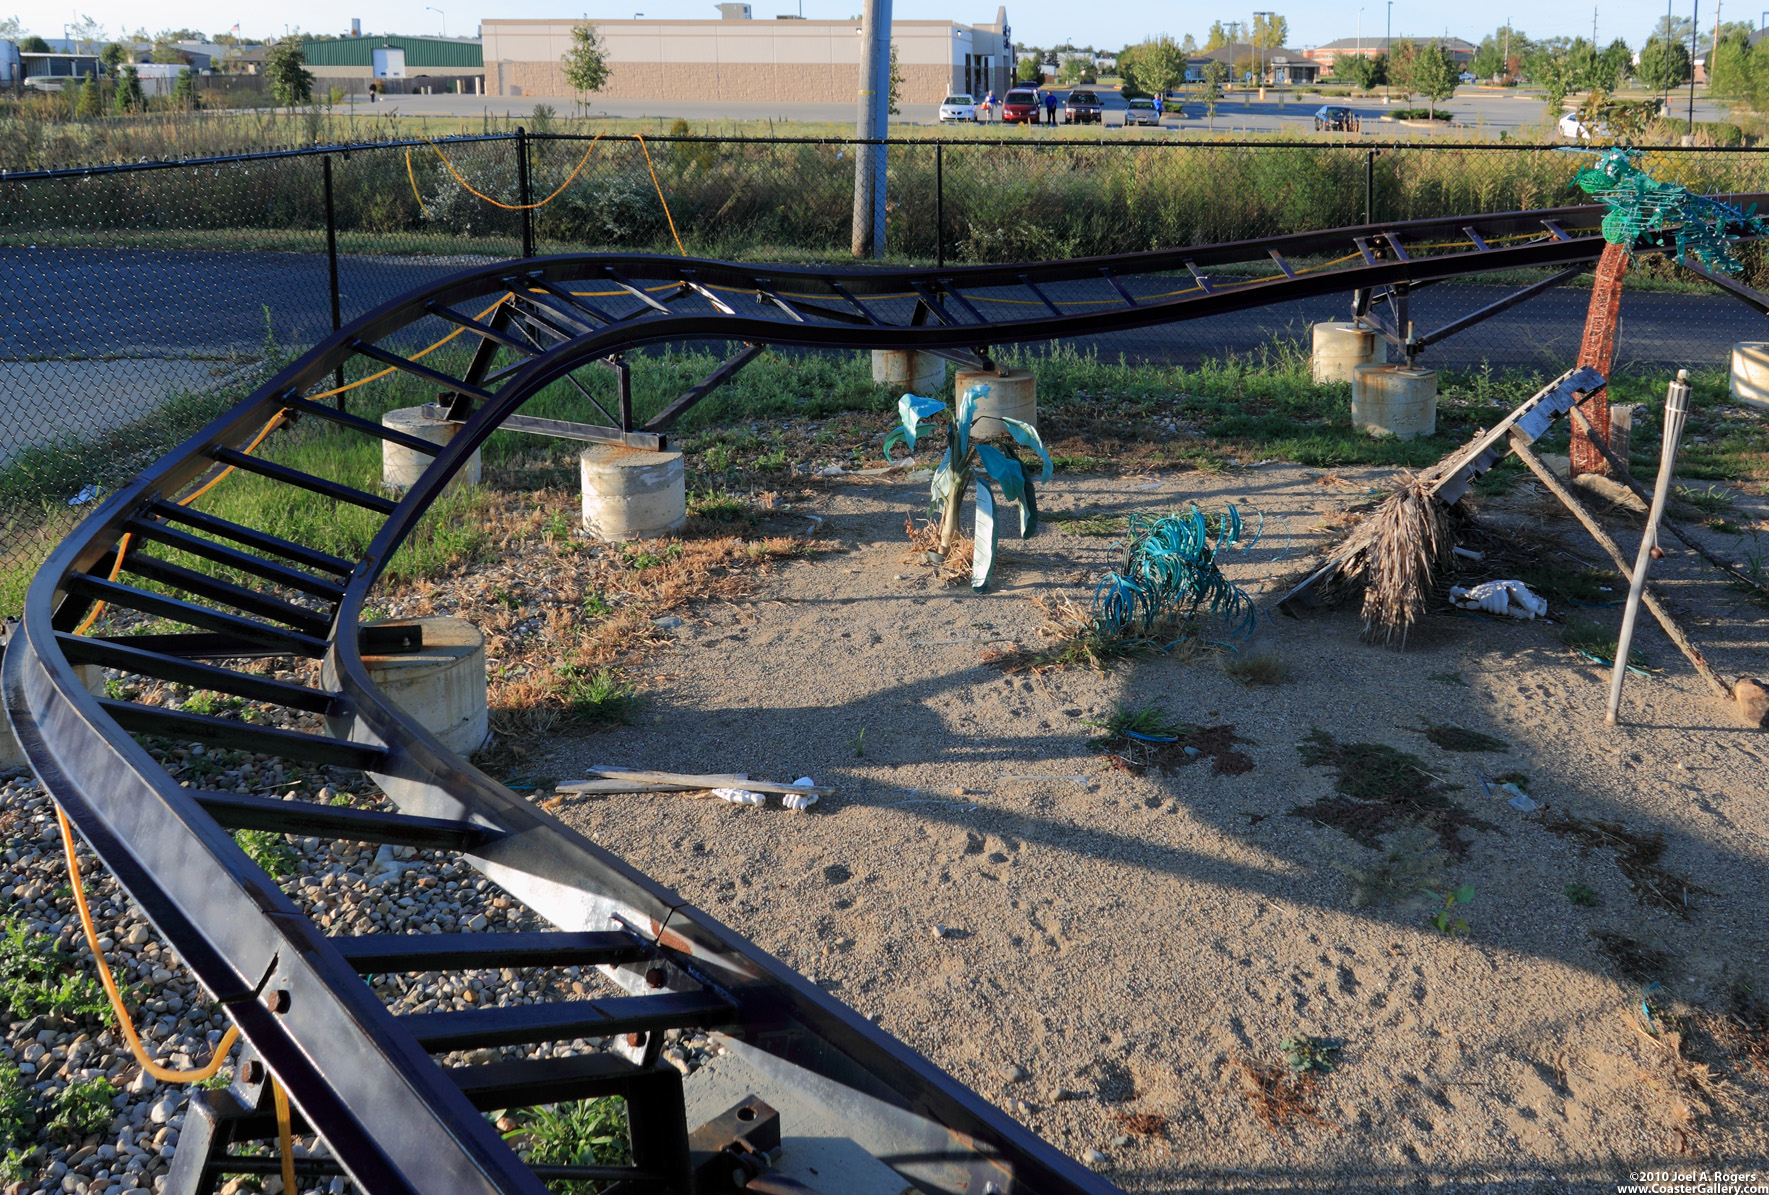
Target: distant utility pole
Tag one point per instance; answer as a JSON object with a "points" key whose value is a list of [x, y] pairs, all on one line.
{"points": [[1694, 24], [1388, 50], [874, 125]]}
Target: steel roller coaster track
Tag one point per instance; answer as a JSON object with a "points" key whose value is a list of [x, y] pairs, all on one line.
{"points": [[392, 1117]]}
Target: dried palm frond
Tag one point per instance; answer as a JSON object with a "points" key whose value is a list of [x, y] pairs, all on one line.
{"points": [[1394, 555]]}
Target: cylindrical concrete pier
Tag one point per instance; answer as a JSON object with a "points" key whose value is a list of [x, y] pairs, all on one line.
{"points": [[1339, 348], [1750, 373], [442, 684], [630, 493], [401, 466], [909, 370], [1012, 392], [1392, 400]]}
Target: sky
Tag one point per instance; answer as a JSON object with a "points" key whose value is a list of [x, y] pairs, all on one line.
{"points": [[1034, 22]]}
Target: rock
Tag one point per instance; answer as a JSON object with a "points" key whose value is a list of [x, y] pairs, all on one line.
{"points": [[1022, 1109], [138, 936], [143, 1084], [939, 931], [1059, 1094], [1753, 700], [1094, 1157], [1013, 1072], [667, 623], [1121, 1141], [163, 1111]]}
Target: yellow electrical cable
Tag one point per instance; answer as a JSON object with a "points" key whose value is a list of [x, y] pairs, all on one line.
{"points": [[412, 177], [164, 1074], [660, 198], [424, 352], [508, 207], [285, 1137]]}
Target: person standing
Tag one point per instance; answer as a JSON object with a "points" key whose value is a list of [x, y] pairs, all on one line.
{"points": [[988, 103], [1159, 110], [1050, 108]]}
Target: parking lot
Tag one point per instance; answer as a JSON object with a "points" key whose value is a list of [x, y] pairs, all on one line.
{"points": [[1480, 112]]}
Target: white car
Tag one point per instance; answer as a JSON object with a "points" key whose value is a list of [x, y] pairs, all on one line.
{"points": [[1574, 129], [958, 107]]}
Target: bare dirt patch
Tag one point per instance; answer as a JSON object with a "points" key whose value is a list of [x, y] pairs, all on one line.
{"points": [[1124, 941]]}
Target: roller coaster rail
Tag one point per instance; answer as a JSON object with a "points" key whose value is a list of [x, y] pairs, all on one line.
{"points": [[392, 1117]]}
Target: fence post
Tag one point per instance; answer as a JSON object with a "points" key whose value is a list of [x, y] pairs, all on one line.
{"points": [[939, 205], [1369, 186], [522, 191], [332, 263]]}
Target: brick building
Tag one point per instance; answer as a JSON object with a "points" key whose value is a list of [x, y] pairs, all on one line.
{"points": [[1350, 47], [738, 58]]}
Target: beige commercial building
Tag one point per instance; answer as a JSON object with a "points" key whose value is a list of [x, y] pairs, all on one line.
{"points": [[741, 59]]}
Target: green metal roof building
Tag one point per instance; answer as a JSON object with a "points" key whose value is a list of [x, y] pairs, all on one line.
{"points": [[355, 55]]}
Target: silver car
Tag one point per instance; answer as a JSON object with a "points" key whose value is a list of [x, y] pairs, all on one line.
{"points": [[1142, 112]]}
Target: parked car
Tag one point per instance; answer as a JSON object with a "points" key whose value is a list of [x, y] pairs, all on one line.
{"points": [[1082, 107], [1333, 119], [1574, 129], [1141, 112], [1021, 106], [958, 107]]}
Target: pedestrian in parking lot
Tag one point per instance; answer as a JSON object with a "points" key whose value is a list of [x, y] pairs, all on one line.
{"points": [[1050, 107], [988, 103], [1158, 109]]}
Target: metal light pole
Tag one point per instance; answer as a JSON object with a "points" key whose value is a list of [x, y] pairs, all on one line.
{"points": [[1258, 37], [874, 125], [440, 13], [1694, 25], [1388, 51]]}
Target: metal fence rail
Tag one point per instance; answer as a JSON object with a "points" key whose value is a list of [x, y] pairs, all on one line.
{"points": [[137, 300]]}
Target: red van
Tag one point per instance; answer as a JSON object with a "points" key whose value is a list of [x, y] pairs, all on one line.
{"points": [[1021, 106]]}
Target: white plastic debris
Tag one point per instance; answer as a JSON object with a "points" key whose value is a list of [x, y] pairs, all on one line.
{"points": [[1520, 800], [800, 801], [88, 494], [1511, 599], [739, 796]]}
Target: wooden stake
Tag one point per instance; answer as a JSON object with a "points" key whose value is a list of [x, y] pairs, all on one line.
{"points": [[1546, 476]]}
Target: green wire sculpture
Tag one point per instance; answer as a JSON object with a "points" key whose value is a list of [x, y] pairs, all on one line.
{"points": [[1644, 210]]}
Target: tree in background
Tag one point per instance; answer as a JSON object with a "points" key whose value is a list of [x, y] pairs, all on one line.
{"points": [[1078, 70], [1434, 75], [1497, 51], [1160, 65], [184, 92], [1550, 67], [894, 77], [286, 68], [33, 45], [1614, 66], [12, 29], [87, 34], [1362, 72], [1729, 67], [166, 47], [1216, 38], [586, 63], [1401, 54], [1211, 92], [1030, 70], [1270, 31], [1189, 44], [184, 35], [1663, 65], [112, 57], [88, 103], [129, 98]]}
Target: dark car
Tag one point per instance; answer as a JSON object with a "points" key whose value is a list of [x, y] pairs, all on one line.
{"points": [[1082, 107], [1334, 119], [1021, 106]]}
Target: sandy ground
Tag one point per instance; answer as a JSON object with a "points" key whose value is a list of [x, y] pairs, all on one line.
{"points": [[1079, 943]]}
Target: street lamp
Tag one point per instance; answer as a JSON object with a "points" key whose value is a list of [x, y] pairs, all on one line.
{"points": [[1388, 51], [443, 15]]}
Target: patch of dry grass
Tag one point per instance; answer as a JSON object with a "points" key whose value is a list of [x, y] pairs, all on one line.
{"points": [[1266, 668]]}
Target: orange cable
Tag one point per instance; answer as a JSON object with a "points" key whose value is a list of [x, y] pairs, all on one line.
{"points": [[164, 1074], [508, 207], [660, 198], [284, 1135]]}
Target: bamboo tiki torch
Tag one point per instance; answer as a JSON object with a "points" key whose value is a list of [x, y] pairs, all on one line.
{"points": [[1676, 412]]}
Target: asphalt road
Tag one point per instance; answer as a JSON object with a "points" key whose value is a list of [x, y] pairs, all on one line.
{"points": [[80, 352]]}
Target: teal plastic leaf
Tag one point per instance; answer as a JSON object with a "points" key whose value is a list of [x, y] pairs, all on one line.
{"points": [[983, 553], [1028, 437], [897, 436], [963, 416], [942, 484], [1016, 487], [912, 409]]}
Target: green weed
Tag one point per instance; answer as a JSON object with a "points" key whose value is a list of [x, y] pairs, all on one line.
{"points": [[599, 697], [1585, 586], [1454, 738], [716, 507], [211, 704], [17, 1122], [583, 1133], [269, 850], [81, 1109], [1266, 668], [1378, 790], [1100, 525], [1411, 864], [1148, 721], [637, 556], [1305, 1053], [1598, 643], [1448, 678], [38, 978], [1444, 921], [1711, 501], [595, 606], [1582, 895], [859, 744]]}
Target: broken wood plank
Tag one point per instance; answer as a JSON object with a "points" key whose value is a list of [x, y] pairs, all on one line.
{"points": [[683, 782]]}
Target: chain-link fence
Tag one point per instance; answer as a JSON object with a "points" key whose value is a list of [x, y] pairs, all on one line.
{"points": [[141, 300]]}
